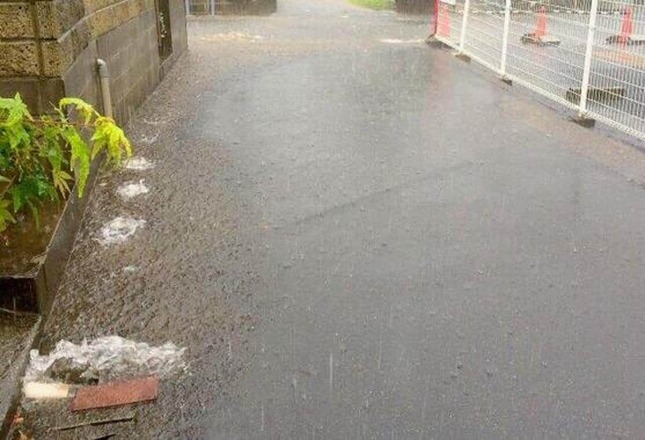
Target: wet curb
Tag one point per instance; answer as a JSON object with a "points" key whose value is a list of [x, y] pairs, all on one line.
{"points": [[10, 386], [35, 292]]}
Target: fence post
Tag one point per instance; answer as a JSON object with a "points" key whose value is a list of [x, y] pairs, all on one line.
{"points": [[586, 73], [187, 6], [212, 7], [507, 30], [464, 25]]}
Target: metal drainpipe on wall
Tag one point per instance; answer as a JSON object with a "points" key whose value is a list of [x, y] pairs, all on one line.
{"points": [[106, 97]]}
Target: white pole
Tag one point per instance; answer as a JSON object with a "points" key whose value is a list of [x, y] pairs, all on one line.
{"points": [[106, 95], [584, 90], [187, 6], [464, 25], [507, 30], [212, 7]]}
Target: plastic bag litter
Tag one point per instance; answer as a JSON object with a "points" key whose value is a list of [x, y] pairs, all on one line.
{"points": [[112, 357], [119, 230], [41, 391]]}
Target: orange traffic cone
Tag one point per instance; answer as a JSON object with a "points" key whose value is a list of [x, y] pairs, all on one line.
{"points": [[443, 25], [539, 36], [627, 27], [540, 28]]}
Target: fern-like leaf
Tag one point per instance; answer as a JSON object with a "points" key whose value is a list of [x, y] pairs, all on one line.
{"points": [[5, 215], [60, 179], [40, 158], [85, 109], [80, 157]]}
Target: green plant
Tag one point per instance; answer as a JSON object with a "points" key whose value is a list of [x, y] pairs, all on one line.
{"points": [[374, 4], [42, 157]]}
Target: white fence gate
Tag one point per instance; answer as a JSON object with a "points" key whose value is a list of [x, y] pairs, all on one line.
{"points": [[588, 55]]}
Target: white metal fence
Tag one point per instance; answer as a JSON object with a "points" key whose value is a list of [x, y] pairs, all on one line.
{"points": [[588, 55]]}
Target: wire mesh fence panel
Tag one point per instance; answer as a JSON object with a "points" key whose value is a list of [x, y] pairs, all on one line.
{"points": [[199, 7], [588, 55], [617, 77], [547, 46], [485, 34]]}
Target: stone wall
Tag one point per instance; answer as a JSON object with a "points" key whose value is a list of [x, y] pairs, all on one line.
{"points": [[179, 32], [48, 48], [131, 52]]}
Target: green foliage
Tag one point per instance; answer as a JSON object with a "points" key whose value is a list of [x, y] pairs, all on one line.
{"points": [[41, 158], [374, 4]]}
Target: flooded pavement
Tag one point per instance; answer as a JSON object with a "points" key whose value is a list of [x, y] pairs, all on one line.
{"points": [[356, 236]]}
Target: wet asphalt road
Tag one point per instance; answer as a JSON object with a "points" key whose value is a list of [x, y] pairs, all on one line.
{"points": [[366, 240]]}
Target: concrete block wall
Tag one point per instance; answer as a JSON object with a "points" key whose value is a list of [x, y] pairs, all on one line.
{"points": [[21, 55], [48, 49], [179, 31], [131, 52]]}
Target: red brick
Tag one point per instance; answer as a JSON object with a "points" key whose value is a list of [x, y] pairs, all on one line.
{"points": [[116, 394]]}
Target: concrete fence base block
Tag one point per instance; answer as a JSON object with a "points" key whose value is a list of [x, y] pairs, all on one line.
{"points": [[546, 40], [632, 40], [584, 121], [463, 57], [432, 41]]}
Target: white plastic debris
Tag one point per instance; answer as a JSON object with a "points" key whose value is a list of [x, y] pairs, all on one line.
{"points": [[112, 357], [119, 230], [139, 164], [41, 391], [130, 269], [130, 190]]}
